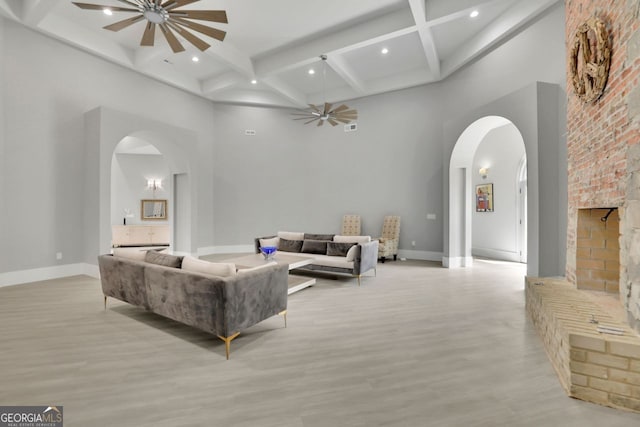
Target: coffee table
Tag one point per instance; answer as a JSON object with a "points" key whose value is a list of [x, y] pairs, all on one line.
{"points": [[296, 282]]}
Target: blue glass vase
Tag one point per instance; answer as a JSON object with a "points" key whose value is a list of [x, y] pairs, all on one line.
{"points": [[268, 252]]}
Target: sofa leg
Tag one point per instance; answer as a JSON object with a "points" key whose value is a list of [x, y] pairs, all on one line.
{"points": [[383, 258], [283, 313], [227, 342], [395, 257], [105, 302], [359, 279]]}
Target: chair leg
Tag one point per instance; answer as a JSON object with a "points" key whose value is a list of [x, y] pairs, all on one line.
{"points": [[395, 257], [283, 313], [227, 342], [105, 302], [383, 258]]}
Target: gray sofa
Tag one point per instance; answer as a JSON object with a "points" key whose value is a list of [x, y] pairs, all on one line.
{"points": [[364, 257], [223, 306]]}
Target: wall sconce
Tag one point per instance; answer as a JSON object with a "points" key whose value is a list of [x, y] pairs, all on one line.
{"points": [[484, 172], [154, 184]]}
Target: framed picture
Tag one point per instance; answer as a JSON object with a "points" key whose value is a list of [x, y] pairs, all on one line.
{"points": [[484, 198], [153, 209]]}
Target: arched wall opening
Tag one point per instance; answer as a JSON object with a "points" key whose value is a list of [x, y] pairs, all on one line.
{"points": [[495, 146], [105, 129], [538, 111]]}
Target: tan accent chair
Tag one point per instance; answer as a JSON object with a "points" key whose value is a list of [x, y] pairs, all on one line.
{"points": [[390, 236], [351, 225]]}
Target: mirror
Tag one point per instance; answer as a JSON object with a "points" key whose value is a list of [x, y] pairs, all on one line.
{"points": [[155, 209]]}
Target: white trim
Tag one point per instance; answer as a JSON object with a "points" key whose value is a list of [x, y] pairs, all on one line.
{"points": [[457, 262], [235, 249], [496, 254], [421, 255], [47, 273]]}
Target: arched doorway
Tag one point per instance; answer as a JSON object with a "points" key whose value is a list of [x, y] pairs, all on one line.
{"points": [[465, 177]]}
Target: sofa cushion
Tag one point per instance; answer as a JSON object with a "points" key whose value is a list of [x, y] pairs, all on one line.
{"points": [[167, 260], [286, 245], [222, 269], [314, 246], [351, 254], [290, 235], [269, 242], [332, 261], [243, 271], [352, 239], [308, 236], [338, 248], [130, 253]]}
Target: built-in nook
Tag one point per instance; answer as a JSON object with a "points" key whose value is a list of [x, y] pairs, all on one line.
{"points": [[598, 250]]}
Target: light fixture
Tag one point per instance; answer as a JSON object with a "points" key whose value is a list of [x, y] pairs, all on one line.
{"points": [[311, 71], [326, 112], [474, 14], [384, 51], [107, 11], [154, 184], [254, 82], [483, 172], [195, 59]]}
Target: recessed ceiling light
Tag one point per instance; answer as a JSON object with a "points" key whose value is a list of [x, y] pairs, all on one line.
{"points": [[254, 82], [311, 71], [107, 11], [474, 14], [384, 51], [195, 59]]}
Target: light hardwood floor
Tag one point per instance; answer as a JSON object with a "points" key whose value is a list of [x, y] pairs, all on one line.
{"points": [[418, 345]]}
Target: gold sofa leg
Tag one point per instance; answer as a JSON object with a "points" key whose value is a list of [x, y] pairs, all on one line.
{"points": [[283, 313], [358, 279], [227, 342]]}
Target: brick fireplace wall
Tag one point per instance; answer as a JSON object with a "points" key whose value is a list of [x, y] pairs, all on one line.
{"points": [[603, 142]]}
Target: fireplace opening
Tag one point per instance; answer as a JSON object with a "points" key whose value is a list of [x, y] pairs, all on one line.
{"points": [[598, 250]]}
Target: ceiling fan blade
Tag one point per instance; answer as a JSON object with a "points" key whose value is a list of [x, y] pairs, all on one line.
{"points": [[208, 31], [333, 122], [101, 7], [176, 46], [172, 4], [320, 123], [201, 15], [137, 3], [327, 107], [341, 120], [312, 120], [314, 108], [149, 35], [124, 24], [190, 37], [340, 108]]}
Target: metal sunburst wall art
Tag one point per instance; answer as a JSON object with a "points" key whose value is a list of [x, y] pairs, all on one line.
{"points": [[169, 18]]}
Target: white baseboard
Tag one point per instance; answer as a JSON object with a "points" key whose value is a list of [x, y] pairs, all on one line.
{"points": [[421, 255], [496, 254], [235, 249], [47, 273], [457, 262]]}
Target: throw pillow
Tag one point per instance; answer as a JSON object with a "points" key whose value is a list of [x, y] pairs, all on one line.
{"points": [[286, 245], [314, 246], [352, 239], [130, 253], [351, 254], [290, 235], [308, 236], [244, 271], [338, 249], [269, 242], [167, 260], [222, 269]]}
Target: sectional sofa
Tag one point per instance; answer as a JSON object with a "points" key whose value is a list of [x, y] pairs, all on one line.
{"points": [[212, 297], [332, 253]]}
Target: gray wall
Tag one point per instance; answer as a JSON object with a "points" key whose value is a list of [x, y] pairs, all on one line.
{"points": [[48, 87], [296, 177]]}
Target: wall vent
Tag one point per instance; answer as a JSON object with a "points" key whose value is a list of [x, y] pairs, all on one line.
{"points": [[351, 127]]}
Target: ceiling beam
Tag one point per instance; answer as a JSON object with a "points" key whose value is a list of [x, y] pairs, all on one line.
{"points": [[510, 22], [11, 9], [340, 66], [331, 42], [34, 11], [463, 13], [221, 82], [426, 36], [232, 57]]}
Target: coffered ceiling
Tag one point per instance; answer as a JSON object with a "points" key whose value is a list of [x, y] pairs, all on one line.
{"points": [[276, 42]]}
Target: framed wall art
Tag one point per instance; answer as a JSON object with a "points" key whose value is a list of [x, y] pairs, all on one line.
{"points": [[484, 198], [154, 209]]}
